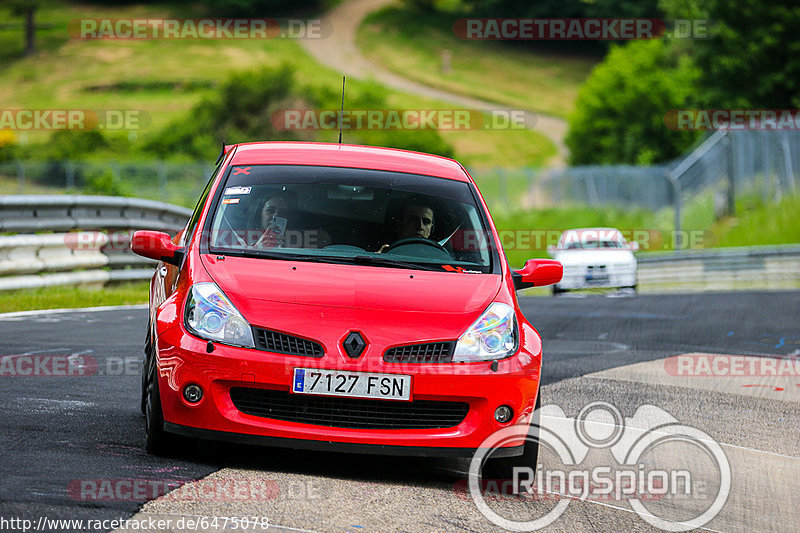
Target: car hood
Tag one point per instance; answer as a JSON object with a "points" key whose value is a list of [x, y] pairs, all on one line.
{"points": [[594, 257], [303, 297]]}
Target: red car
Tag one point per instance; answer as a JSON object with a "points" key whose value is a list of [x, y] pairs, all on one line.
{"points": [[337, 297]]}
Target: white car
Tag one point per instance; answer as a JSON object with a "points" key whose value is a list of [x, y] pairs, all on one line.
{"points": [[595, 257]]}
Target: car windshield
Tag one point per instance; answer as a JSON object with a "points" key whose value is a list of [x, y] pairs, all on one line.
{"points": [[589, 245], [346, 215]]}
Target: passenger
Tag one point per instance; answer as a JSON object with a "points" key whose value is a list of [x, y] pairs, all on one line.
{"points": [[275, 214]]}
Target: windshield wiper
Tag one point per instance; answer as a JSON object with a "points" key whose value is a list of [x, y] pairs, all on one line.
{"points": [[266, 254], [382, 261], [339, 260]]}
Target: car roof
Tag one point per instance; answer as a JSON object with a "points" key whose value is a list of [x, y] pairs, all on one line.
{"points": [[347, 155], [592, 229]]}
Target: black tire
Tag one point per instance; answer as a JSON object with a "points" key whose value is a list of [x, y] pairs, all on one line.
{"points": [[148, 346], [157, 441], [557, 290], [503, 467]]}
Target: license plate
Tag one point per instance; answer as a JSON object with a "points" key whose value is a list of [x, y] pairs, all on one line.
{"points": [[353, 384]]}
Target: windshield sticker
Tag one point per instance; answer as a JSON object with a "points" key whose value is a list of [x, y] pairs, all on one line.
{"points": [[227, 201], [237, 190], [241, 170], [451, 268]]}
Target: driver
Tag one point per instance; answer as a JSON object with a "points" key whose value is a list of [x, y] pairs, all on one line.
{"points": [[416, 220]]}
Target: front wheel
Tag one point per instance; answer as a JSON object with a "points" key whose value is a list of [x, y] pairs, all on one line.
{"points": [[502, 468], [157, 441]]}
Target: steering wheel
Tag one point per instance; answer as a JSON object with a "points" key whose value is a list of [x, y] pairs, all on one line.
{"points": [[417, 240]]}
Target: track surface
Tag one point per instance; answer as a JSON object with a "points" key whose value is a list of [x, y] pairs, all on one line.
{"points": [[57, 430]]}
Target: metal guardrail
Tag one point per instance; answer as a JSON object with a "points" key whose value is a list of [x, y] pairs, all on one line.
{"points": [[754, 267], [96, 254]]}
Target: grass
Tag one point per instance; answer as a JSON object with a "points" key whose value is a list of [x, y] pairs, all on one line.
{"points": [[163, 79], [411, 44], [63, 297], [758, 222]]}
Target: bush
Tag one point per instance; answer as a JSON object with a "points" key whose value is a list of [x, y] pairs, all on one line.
{"points": [[103, 183], [619, 115], [241, 110]]}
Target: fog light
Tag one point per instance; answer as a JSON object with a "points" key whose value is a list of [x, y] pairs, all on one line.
{"points": [[193, 393], [503, 414]]}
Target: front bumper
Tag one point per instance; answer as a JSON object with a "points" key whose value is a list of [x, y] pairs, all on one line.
{"points": [[183, 360], [584, 277]]}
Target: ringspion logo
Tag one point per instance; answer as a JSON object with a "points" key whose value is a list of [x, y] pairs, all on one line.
{"points": [[651, 461]]}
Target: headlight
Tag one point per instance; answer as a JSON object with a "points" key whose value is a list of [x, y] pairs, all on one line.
{"points": [[492, 336], [211, 315]]}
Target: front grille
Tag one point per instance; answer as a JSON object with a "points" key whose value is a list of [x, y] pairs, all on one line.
{"points": [[430, 352], [354, 413], [273, 341]]}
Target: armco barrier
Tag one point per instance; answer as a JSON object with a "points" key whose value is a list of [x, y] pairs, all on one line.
{"points": [[721, 269], [32, 258]]}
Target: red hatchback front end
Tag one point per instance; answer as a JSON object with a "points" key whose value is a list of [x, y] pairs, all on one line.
{"points": [[339, 297]]}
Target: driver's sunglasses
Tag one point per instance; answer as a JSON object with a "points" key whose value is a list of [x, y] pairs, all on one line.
{"points": [[425, 220]]}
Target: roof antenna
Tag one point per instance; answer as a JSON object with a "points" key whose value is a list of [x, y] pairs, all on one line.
{"points": [[221, 153], [341, 113]]}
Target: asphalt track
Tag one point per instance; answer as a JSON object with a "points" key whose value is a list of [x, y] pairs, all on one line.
{"points": [[61, 431]]}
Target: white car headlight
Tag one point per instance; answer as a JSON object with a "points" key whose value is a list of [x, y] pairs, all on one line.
{"points": [[492, 336], [211, 316]]}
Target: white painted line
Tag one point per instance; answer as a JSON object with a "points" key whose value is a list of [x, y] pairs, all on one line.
{"points": [[36, 312], [619, 508], [657, 431]]}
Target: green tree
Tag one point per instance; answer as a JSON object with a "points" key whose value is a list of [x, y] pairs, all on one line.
{"points": [[259, 8], [752, 58], [619, 116]]}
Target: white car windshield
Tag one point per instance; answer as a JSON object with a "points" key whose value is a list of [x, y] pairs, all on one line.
{"points": [[589, 245]]}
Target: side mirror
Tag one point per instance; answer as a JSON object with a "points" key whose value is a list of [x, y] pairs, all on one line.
{"points": [[634, 245], [158, 246], [538, 273]]}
